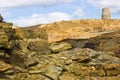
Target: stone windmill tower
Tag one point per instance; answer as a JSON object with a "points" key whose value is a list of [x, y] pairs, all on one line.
{"points": [[106, 13]]}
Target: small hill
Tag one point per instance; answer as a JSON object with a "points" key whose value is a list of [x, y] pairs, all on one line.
{"points": [[79, 29]]}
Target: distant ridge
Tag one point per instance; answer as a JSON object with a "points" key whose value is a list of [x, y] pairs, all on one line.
{"points": [[76, 29]]}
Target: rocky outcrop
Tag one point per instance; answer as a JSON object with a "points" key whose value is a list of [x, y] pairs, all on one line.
{"points": [[39, 46], [29, 44], [79, 29], [1, 18], [30, 56], [60, 46], [76, 43], [106, 42], [6, 33], [20, 48], [72, 64], [34, 33]]}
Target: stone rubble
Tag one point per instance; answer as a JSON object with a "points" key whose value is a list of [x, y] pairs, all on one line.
{"points": [[26, 55]]}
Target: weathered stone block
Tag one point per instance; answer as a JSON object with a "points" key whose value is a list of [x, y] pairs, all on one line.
{"points": [[39, 46]]}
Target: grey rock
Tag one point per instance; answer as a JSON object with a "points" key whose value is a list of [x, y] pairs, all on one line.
{"points": [[61, 46], [39, 46], [53, 72]]}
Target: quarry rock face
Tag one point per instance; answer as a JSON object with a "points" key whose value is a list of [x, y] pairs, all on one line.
{"points": [[18, 47], [27, 54]]}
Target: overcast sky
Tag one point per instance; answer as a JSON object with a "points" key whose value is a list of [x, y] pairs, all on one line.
{"points": [[33, 12]]}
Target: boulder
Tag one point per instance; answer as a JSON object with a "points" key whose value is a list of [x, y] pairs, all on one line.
{"points": [[26, 53], [61, 46], [24, 58], [38, 45], [76, 43], [34, 33], [1, 18], [21, 56], [26, 46]]}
